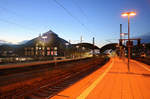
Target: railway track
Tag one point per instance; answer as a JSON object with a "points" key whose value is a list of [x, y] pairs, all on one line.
{"points": [[53, 84]]}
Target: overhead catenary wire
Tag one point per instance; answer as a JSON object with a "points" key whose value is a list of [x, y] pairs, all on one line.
{"points": [[10, 11], [80, 9], [69, 13], [83, 13], [13, 23], [16, 24]]}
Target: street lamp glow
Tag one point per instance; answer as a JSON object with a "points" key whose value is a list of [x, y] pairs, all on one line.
{"points": [[128, 14], [132, 13], [124, 14]]}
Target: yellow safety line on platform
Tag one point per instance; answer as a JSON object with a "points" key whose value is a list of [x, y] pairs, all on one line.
{"points": [[143, 66], [86, 92]]}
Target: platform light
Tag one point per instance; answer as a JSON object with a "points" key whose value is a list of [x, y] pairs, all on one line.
{"points": [[128, 14]]}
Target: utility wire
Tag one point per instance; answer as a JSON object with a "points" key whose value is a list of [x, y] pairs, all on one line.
{"points": [[82, 12], [10, 22], [69, 13], [10, 11], [14, 13], [80, 9], [13, 23]]}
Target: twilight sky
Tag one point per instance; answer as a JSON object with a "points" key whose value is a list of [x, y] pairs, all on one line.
{"points": [[26, 19]]}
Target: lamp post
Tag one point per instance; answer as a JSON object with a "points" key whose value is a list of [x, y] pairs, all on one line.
{"points": [[128, 14]]}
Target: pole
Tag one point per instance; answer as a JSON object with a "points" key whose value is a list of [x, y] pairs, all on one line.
{"points": [[128, 43], [120, 31], [93, 45], [120, 40], [81, 39]]}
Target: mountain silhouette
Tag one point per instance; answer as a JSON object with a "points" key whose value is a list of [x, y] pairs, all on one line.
{"points": [[3, 42]]}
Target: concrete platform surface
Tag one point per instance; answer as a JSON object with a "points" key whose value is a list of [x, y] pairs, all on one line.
{"points": [[112, 81]]}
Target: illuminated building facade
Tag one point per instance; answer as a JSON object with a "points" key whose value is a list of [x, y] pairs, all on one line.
{"points": [[47, 44]]}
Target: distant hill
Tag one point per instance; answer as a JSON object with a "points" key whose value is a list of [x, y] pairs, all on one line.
{"points": [[3, 42], [23, 42]]}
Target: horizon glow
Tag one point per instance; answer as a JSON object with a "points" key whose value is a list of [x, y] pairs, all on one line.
{"points": [[25, 20]]}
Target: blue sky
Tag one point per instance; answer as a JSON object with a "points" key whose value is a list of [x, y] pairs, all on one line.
{"points": [[26, 19]]}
